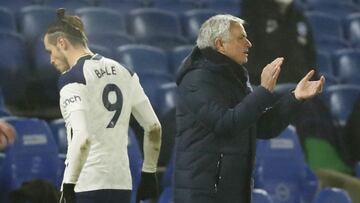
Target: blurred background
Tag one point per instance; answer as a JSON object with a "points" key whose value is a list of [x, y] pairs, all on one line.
{"points": [[315, 159]]}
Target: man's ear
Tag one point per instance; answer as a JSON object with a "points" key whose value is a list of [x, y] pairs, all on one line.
{"points": [[219, 45], [61, 42]]}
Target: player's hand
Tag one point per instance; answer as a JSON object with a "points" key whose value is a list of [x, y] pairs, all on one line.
{"points": [[68, 193], [271, 73], [148, 188], [306, 89]]}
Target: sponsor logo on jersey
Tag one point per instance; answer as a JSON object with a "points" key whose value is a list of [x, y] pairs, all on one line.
{"points": [[71, 100]]}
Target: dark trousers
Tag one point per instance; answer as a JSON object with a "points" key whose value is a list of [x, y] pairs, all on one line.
{"points": [[104, 196]]}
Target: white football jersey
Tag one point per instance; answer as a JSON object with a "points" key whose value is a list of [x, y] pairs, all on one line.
{"points": [[107, 92]]}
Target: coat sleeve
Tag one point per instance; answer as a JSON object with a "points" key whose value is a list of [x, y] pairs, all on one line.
{"points": [[276, 119], [200, 96]]}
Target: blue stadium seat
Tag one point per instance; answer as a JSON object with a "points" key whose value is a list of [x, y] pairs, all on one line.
{"points": [[46, 75], [110, 40], [177, 56], [340, 100], [33, 155], [260, 196], [59, 132], [143, 58], [332, 195], [176, 6], [358, 170], [330, 44], [34, 20], [102, 50], [192, 21], [7, 20], [70, 5], [275, 155], [123, 6], [4, 113], [166, 196], [352, 29], [2, 100], [16, 5], [339, 9], [99, 20], [135, 161], [324, 63], [168, 92], [14, 66], [311, 2], [155, 27], [166, 181], [325, 25], [232, 7], [347, 65]]}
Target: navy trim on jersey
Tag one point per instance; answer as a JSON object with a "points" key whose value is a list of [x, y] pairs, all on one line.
{"points": [[75, 74]]}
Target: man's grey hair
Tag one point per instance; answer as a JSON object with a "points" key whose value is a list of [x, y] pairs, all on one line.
{"points": [[217, 26]]}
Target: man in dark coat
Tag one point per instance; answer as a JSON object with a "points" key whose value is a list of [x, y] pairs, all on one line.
{"points": [[219, 116]]}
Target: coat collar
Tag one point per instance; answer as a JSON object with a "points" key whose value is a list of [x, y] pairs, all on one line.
{"points": [[224, 64]]}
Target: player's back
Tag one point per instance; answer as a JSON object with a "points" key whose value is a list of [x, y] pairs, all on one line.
{"points": [[106, 94]]}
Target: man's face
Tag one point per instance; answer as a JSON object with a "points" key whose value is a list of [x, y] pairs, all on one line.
{"points": [[237, 47], [57, 57]]}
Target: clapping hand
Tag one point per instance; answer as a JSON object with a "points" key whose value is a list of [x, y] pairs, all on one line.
{"points": [[306, 89]]}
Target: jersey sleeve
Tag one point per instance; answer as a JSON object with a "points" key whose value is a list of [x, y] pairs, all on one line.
{"points": [[138, 95], [73, 97]]}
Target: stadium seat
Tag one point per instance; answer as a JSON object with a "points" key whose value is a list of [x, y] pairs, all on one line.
{"points": [[110, 40], [311, 2], [192, 21], [99, 20], [143, 59], [330, 44], [177, 56], [59, 132], [168, 100], [122, 7], [14, 66], [34, 21], [329, 195], [135, 161], [16, 5], [177, 6], [44, 84], [4, 113], [102, 50], [340, 100], [352, 28], [152, 84], [358, 170], [2, 100], [260, 196], [155, 27], [7, 20], [33, 155], [70, 5], [232, 7], [339, 9], [295, 184], [324, 63], [347, 65], [325, 25], [166, 196]]}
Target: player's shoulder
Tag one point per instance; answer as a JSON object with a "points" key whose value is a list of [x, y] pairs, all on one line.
{"points": [[75, 74]]}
